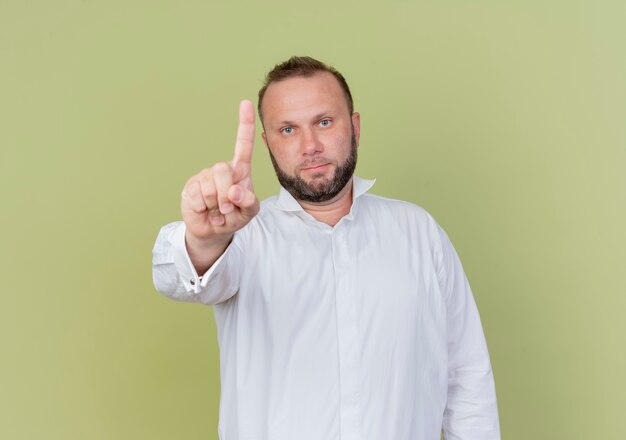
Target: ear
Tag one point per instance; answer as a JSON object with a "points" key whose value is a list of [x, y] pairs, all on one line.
{"points": [[356, 126], [264, 139]]}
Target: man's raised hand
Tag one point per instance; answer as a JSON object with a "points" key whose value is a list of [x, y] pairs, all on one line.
{"points": [[220, 200]]}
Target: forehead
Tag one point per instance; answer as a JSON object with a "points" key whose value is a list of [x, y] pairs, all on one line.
{"points": [[301, 97]]}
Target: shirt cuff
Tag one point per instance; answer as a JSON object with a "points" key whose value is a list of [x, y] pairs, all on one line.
{"points": [[188, 275]]}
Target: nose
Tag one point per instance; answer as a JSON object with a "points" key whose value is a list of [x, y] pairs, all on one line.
{"points": [[311, 144]]}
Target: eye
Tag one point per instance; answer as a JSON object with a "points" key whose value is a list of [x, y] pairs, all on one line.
{"points": [[287, 130], [325, 122]]}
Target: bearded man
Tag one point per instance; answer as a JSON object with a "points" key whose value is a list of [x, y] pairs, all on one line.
{"points": [[340, 314]]}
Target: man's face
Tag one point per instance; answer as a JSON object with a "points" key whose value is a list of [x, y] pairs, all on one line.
{"points": [[311, 136]]}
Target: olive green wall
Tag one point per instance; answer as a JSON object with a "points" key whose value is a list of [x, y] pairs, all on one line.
{"points": [[505, 119]]}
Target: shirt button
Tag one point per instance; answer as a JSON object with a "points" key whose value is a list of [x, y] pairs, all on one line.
{"points": [[193, 283]]}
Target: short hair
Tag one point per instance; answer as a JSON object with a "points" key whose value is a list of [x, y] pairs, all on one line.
{"points": [[303, 67]]}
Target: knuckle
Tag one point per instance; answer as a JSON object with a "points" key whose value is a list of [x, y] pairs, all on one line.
{"points": [[190, 182], [189, 193], [221, 168], [204, 174]]}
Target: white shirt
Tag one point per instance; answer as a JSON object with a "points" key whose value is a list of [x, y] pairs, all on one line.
{"points": [[362, 331]]}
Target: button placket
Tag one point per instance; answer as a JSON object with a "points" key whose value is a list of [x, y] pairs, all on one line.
{"points": [[347, 338]]}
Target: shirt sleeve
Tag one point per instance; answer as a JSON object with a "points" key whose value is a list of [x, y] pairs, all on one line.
{"points": [[175, 277], [471, 410]]}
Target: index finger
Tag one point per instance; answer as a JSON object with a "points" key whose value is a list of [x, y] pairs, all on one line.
{"points": [[245, 133]]}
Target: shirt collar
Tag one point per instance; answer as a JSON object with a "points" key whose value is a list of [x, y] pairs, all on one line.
{"points": [[287, 202]]}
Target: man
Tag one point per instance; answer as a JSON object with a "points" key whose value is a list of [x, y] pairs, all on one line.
{"points": [[340, 314]]}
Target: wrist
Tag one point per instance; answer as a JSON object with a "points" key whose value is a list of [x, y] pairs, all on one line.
{"points": [[214, 242], [204, 252]]}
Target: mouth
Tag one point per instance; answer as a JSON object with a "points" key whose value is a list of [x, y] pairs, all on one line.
{"points": [[317, 167]]}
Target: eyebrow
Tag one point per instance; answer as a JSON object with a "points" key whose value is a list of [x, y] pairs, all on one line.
{"points": [[315, 118]]}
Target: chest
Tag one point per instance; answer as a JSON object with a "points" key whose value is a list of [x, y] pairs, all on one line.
{"points": [[381, 273]]}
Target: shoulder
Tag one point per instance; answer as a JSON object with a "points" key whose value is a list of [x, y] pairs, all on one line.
{"points": [[374, 202], [401, 216]]}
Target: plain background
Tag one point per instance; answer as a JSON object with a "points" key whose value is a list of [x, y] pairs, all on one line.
{"points": [[504, 119]]}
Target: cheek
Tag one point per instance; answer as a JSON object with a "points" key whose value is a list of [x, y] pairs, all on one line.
{"points": [[338, 145], [343, 140], [284, 156]]}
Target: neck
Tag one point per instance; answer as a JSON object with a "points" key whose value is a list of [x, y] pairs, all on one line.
{"points": [[333, 210]]}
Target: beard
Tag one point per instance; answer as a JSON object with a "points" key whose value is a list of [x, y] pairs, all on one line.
{"points": [[319, 191]]}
